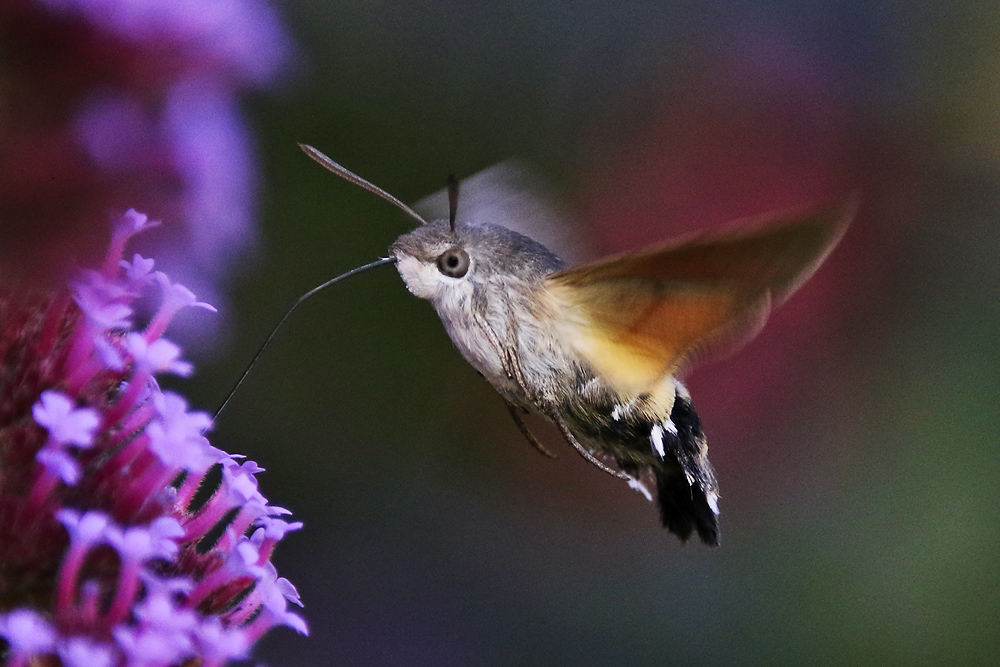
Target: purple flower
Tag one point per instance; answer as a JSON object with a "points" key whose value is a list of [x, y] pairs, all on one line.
{"points": [[275, 593], [219, 644], [160, 356], [28, 634], [176, 437], [66, 424], [84, 652], [275, 529], [150, 647], [141, 543], [242, 483], [86, 529], [159, 611], [98, 471], [175, 298], [59, 464], [139, 269], [101, 308]]}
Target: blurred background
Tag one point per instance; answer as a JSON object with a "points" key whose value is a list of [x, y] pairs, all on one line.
{"points": [[855, 440]]}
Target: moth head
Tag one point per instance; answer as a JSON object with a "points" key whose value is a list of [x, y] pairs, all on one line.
{"points": [[435, 260]]}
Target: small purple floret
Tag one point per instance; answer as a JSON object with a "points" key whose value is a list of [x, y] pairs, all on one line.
{"points": [[140, 544], [275, 529], [102, 301], [241, 484], [60, 464], [173, 412], [139, 270], [131, 223], [87, 528], [66, 424], [275, 594], [176, 437], [176, 296], [160, 356], [84, 652], [220, 644], [145, 647], [160, 612], [27, 633]]}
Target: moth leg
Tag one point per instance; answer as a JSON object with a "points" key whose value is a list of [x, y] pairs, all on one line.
{"points": [[571, 439], [508, 357], [523, 428]]}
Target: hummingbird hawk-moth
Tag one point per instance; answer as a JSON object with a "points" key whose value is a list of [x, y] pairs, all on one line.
{"points": [[599, 348]]}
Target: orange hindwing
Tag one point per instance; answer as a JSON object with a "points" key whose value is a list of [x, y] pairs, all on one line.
{"points": [[639, 317]]}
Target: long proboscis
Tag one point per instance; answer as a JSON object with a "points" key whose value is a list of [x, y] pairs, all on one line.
{"points": [[350, 176], [288, 313]]}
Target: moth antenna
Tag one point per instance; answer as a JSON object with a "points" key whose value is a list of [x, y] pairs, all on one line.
{"points": [[298, 302], [452, 201], [350, 176]]}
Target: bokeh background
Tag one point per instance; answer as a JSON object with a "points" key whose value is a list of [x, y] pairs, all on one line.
{"points": [[855, 440]]}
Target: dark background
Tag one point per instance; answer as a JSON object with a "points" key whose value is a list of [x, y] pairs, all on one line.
{"points": [[855, 440]]}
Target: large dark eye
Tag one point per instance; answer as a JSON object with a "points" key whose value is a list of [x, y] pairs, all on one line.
{"points": [[453, 262]]}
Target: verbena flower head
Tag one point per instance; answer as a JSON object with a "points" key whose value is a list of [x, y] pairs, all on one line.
{"points": [[115, 550]]}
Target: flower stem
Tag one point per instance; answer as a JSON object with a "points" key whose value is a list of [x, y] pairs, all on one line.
{"points": [[128, 587], [67, 576]]}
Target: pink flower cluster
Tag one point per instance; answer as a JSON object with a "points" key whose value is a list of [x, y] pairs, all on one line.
{"points": [[126, 539]]}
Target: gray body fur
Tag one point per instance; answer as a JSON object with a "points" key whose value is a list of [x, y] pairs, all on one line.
{"points": [[499, 319], [494, 314]]}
